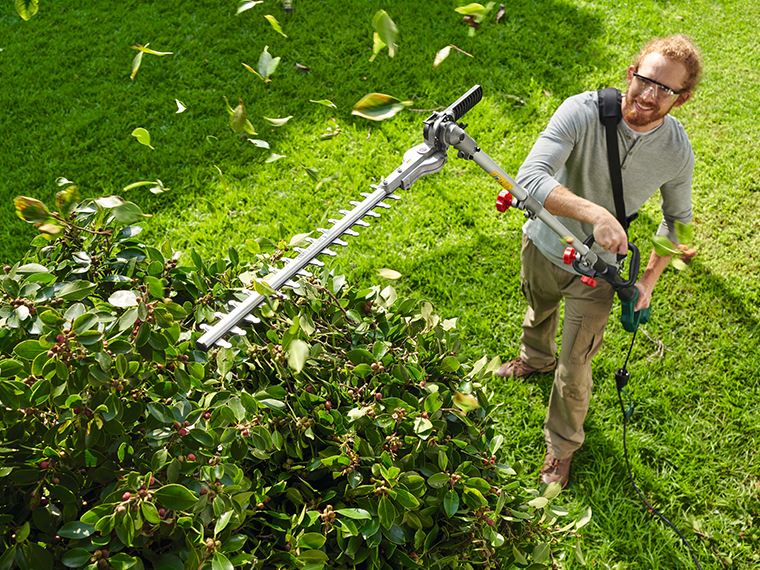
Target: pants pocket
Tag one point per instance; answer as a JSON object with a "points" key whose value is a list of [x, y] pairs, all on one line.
{"points": [[588, 341]]}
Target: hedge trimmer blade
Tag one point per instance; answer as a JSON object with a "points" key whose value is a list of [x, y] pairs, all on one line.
{"points": [[242, 311]]}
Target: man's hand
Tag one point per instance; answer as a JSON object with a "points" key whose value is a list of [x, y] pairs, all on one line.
{"points": [[645, 296], [608, 233]]}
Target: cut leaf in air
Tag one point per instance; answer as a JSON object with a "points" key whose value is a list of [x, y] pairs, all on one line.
{"points": [[325, 102], [31, 210], [272, 157], [239, 120], [247, 5], [500, 13], [259, 143], [156, 186], [266, 66], [474, 14], [142, 136], [180, 106], [378, 106], [444, 53], [275, 25], [138, 58], [385, 34], [388, 273], [279, 122], [27, 8]]}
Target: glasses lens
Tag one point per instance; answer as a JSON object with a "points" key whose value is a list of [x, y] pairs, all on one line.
{"points": [[658, 91]]}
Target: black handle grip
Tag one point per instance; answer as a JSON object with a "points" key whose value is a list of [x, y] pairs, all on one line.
{"points": [[610, 273], [459, 108]]}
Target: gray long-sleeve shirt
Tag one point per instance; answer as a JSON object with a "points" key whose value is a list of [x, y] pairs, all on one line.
{"points": [[572, 151]]}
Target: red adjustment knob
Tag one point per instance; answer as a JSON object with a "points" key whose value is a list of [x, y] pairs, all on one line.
{"points": [[588, 281], [569, 256], [504, 201]]}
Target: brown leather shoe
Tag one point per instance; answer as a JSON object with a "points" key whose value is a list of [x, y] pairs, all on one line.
{"points": [[556, 470], [519, 369]]}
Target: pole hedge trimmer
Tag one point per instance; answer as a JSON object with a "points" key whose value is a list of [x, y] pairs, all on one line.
{"points": [[441, 131]]}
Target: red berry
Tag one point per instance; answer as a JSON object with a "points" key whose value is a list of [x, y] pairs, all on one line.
{"points": [[44, 464], [161, 512], [183, 432], [177, 425], [204, 491], [378, 396], [423, 383], [207, 416], [77, 410], [126, 496], [328, 404], [142, 493], [191, 457], [246, 432], [491, 522], [60, 338]]}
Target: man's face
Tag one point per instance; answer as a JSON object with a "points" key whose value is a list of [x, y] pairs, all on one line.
{"points": [[649, 96]]}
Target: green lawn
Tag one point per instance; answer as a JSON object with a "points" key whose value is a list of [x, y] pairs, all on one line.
{"points": [[69, 106]]}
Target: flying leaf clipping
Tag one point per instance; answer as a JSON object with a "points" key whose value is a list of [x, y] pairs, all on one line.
{"points": [[137, 61], [31, 210], [279, 122], [247, 5], [465, 402], [386, 32], [27, 8], [272, 157], [275, 24], [325, 102], [142, 136], [378, 106], [389, 273], [146, 49], [444, 53], [259, 143], [136, 64], [239, 119], [180, 106]]}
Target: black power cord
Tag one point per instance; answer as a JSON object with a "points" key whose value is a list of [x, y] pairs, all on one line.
{"points": [[621, 380]]}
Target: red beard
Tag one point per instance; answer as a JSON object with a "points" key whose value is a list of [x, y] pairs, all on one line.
{"points": [[636, 118]]}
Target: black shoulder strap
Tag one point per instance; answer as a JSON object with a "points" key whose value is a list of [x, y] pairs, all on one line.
{"points": [[610, 112]]}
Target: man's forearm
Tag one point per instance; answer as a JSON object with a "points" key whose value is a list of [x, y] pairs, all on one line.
{"points": [[608, 233], [655, 267]]}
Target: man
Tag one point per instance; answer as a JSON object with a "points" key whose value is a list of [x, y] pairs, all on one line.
{"points": [[567, 170]]}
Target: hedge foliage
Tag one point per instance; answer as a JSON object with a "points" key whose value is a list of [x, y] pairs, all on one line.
{"points": [[341, 431]]}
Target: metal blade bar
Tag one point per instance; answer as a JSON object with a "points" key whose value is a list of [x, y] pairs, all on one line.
{"points": [[213, 335]]}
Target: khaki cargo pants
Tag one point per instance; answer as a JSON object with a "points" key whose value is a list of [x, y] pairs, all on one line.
{"points": [[586, 312]]}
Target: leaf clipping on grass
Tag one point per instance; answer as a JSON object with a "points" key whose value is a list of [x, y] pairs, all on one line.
{"points": [[137, 61], [325, 102], [278, 122], [378, 106]]}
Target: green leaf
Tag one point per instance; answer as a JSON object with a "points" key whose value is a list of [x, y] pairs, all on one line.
{"points": [[22, 533], [75, 557], [312, 541], [684, 233], [387, 512], [583, 519], [539, 502], [128, 213], [123, 299], [28, 350], [267, 64], [123, 561], [451, 503], [465, 402], [354, 513], [438, 480], [150, 512], [142, 136], [31, 210], [552, 490], [275, 25], [247, 5], [325, 102], [278, 122], [541, 553], [441, 55], [386, 31], [663, 246], [27, 8], [221, 562], [176, 497], [579, 554], [76, 529], [388, 273], [378, 106], [298, 352], [450, 364]]}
